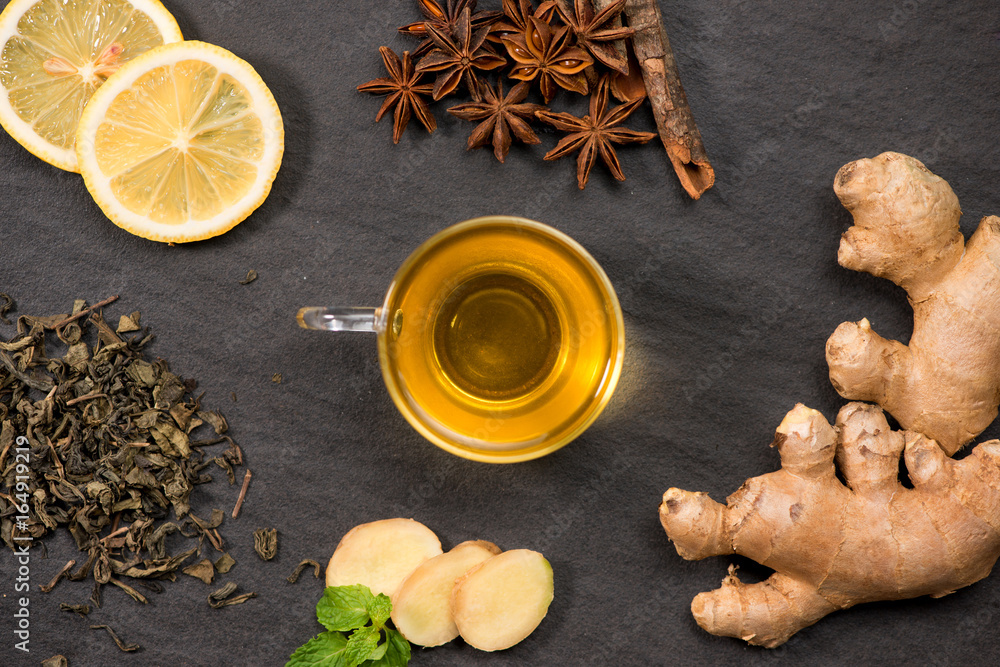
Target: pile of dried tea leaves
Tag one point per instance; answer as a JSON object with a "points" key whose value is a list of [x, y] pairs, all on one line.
{"points": [[99, 440]]}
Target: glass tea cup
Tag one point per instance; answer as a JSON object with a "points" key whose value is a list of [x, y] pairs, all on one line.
{"points": [[500, 339]]}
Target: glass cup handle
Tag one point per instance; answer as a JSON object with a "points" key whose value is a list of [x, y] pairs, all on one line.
{"points": [[338, 319]]}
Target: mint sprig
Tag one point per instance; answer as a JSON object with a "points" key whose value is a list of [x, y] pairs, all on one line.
{"points": [[397, 651], [323, 650], [356, 610], [345, 608], [379, 609]]}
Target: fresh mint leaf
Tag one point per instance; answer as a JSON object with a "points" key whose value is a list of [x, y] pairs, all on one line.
{"points": [[380, 609], [361, 646], [323, 650], [397, 651], [379, 651], [344, 607]]}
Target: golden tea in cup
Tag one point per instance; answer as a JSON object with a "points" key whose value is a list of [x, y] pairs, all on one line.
{"points": [[500, 339]]}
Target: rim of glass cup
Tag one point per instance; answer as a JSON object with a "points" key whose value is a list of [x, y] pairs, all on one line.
{"points": [[485, 454]]}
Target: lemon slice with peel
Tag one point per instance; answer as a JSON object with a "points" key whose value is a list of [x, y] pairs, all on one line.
{"points": [[55, 53], [181, 144]]}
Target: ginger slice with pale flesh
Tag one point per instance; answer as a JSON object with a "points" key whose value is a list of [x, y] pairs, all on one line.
{"points": [[421, 608], [381, 554], [502, 600]]}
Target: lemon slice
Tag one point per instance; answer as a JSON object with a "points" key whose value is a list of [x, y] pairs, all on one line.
{"points": [[181, 144], [55, 53]]}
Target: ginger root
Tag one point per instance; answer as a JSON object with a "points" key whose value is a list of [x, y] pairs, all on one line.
{"points": [[946, 382], [833, 545]]}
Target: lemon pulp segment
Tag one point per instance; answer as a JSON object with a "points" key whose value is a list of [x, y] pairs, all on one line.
{"points": [[181, 144], [60, 51]]}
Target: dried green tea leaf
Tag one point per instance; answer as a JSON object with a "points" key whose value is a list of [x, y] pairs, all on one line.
{"points": [[102, 567], [220, 598], [59, 575], [251, 276], [77, 356], [276, 378], [225, 465], [214, 419], [192, 424], [126, 324], [224, 563], [216, 520], [128, 648], [168, 391], [265, 542], [182, 413], [104, 333], [133, 502], [85, 569], [155, 541], [150, 584], [132, 593], [6, 305], [44, 322], [207, 528], [172, 441], [156, 568], [221, 594], [81, 609], [203, 569], [239, 599], [40, 383], [56, 660], [142, 372], [70, 334], [294, 576]]}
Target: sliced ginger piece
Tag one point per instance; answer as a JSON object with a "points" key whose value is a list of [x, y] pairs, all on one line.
{"points": [[502, 600], [381, 554], [421, 608]]}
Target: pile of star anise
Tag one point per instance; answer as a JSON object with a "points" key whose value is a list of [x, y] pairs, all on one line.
{"points": [[554, 45]]}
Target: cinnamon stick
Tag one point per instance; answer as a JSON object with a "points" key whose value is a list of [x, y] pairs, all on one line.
{"points": [[674, 120]]}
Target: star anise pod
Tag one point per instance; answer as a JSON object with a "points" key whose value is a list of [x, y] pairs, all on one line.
{"points": [[546, 53], [517, 14], [594, 32], [445, 18], [458, 57], [404, 89], [630, 86], [594, 134], [500, 117]]}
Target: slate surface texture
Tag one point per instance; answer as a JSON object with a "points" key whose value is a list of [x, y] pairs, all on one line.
{"points": [[728, 302]]}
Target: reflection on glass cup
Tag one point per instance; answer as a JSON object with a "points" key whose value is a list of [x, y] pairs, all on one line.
{"points": [[500, 339]]}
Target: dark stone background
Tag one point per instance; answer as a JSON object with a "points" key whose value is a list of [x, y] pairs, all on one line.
{"points": [[727, 301]]}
